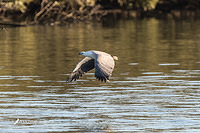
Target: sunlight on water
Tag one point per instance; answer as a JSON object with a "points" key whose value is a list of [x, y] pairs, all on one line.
{"points": [[155, 86], [169, 64]]}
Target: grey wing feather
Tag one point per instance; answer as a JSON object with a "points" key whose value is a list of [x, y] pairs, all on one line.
{"points": [[85, 65], [104, 66]]}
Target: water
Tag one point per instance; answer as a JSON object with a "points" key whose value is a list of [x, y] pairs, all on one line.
{"points": [[155, 86]]}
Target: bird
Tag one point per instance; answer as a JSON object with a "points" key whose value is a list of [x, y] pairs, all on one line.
{"points": [[102, 62]]}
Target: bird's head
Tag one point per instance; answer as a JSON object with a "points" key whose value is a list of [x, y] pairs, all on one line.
{"points": [[88, 54], [81, 53]]}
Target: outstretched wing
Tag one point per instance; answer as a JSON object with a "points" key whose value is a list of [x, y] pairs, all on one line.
{"points": [[104, 66], [85, 65]]}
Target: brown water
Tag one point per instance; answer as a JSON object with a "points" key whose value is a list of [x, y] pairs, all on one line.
{"points": [[155, 86]]}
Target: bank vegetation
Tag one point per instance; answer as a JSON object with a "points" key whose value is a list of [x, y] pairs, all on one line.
{"points": [[57, 12]]}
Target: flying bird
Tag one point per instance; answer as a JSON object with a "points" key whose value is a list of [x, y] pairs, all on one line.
{"points": [[102, 62]]}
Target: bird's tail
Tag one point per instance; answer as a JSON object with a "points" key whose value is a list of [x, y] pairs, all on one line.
{"points": [[115, 57]]}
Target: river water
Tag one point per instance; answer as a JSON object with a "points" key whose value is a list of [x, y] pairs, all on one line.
{"points": [[155, 86]]}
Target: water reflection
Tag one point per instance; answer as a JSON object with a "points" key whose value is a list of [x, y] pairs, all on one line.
{"points": [[154, 86]]}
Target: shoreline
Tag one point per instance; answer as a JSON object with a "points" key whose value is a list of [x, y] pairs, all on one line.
{"points": [[54, 13]]}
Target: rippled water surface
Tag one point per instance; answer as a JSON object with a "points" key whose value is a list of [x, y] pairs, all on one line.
{"points": [[155, 86]]}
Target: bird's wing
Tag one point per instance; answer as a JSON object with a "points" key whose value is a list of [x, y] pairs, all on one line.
{"points": [[85, 65], [104, 65]]}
